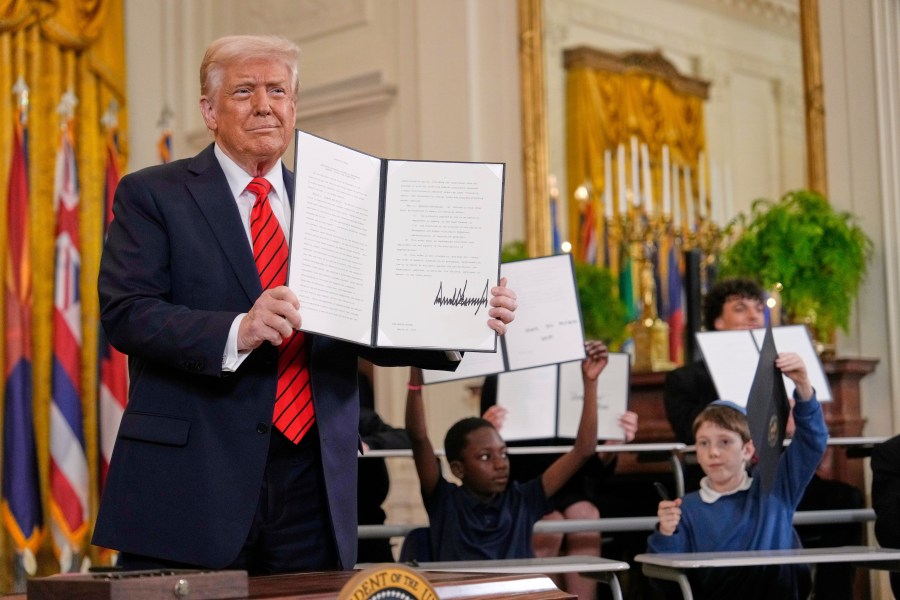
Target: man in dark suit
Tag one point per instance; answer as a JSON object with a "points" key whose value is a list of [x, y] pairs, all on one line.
{"points": [[734, 304], [202, 475], [886, 498]]}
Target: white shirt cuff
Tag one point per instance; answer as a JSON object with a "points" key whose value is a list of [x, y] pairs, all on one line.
{"points": [[231, 358]]}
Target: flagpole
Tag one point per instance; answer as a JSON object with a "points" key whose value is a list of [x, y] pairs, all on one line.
{"points": [[112, 379], [69, 495]]}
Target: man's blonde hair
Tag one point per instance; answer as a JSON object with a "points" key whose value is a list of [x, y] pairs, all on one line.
{"points": [[232, 49]]}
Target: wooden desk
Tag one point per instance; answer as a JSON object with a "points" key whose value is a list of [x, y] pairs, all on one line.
{"points": [[449, 586], [674, 567], [602, 569]]}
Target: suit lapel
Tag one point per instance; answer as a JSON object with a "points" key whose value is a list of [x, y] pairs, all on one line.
{"points": [[288, 184], [211, 193]]}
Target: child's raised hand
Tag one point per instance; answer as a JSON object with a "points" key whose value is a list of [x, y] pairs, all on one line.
{"points": [[669, 513], [793, 366], [629, 424], [597, 355], [495, 415]]}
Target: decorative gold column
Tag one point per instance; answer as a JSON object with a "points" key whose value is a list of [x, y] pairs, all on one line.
{"points": [[816, 171], [534, 128]]}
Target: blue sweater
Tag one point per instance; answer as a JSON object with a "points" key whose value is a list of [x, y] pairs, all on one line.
{"points": [[752, 520]]}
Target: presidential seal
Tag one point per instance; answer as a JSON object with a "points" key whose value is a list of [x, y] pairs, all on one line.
{"points": [[387, 582], [773, 431]]}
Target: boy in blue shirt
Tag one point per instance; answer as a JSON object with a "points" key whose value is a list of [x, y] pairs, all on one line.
{"points": [[489, 517], [730, 511]]}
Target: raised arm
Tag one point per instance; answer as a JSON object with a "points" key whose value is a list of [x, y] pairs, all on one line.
{"points": [[810, 437], [423, 453], [793, 366], [586, 439]]}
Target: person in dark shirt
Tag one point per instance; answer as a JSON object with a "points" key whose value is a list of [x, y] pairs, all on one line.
{"points": [[886, 497], [489, 517], [579, 497]]}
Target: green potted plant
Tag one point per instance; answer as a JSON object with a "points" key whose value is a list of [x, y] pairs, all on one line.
{"points": [[602, 311], [817, 254]]}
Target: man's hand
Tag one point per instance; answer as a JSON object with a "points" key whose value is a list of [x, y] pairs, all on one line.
{"points": [[595, 361], [503, 303], [793, 366], [273, 318], [669, 513]]}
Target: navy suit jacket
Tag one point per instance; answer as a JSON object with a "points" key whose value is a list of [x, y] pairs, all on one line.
{"points": [[189, 459], [886, 492]]}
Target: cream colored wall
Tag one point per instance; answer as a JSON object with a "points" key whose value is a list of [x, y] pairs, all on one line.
{"points": [[860, 46], [439, 80], [862, 148]]}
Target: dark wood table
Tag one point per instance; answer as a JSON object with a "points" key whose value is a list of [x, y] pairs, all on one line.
{"points": [[447, 585]]}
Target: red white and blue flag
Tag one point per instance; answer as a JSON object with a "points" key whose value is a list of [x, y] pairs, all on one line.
{"points": [[164, 146], [675, 306], [588, 235], [20, 509], [113, 392], [68, 460], [164, 143]]}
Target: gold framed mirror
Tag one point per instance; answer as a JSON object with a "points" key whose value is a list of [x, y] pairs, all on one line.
{"points": [[535, 138]]}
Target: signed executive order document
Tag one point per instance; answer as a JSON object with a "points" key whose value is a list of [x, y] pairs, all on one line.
{"points": [[394, 253]]}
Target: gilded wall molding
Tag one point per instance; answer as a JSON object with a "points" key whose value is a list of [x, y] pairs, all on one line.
{"points": [[534, 128], [535, 136], [816, 174]]}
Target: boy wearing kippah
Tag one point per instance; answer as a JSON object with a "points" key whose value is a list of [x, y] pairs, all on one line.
{"points": [[730, 511]]}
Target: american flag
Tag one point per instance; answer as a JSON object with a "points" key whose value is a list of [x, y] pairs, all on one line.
{"points": [[68, 461], [588, 234], [164, 146], [20, 510], [164, 143], [674, 306]]}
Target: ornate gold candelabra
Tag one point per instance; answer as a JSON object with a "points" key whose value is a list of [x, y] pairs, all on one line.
{"points": [[650, 333], [710, 240]]}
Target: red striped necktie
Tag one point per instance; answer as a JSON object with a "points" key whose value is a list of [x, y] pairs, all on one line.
{"points": [[294, 413]]}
